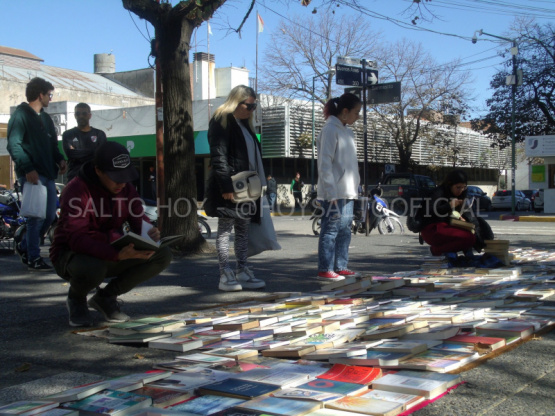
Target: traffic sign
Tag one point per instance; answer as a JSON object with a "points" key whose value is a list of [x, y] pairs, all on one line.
{"points": [[389, 92], [352, 75]]}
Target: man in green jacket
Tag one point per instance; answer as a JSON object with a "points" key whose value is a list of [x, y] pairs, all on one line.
{"points": [[33, 146]]}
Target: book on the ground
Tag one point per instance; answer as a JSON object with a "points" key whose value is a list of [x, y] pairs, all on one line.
{"points": [[58, 411], [266, 344], [227, 343], [412, 347], [407, 400], [303, 394], [150, 325], [176, 344], [177, 365], [440, 361], [230, 352], [147, 377], [394, 331], [282, 378], [144, 243], [505, 328], [238, 388], [80, 392], [203, 358], [410, 385], [206, 405], [238, 324], [439, 332], [373, 358], [332, 386], [351, 374], [342, 352], [449, 379], [477, 342], [321, 341], [190, 379], [366, 405], [281, 407], [163, 397], [138, 338], [110, 403], [289, 351], [27, 407]]}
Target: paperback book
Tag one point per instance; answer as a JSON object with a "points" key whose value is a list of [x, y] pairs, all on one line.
{"points": [[110, 403]]}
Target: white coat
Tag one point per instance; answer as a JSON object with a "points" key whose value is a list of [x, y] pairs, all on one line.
{"points": [[338, 176]]}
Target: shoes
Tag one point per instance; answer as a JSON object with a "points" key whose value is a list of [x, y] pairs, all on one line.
{"points": [[39, 265], [346, 273], [330, 276], [228, 282], [78, 312], [22, 253], [246, 279], [109, 307]]}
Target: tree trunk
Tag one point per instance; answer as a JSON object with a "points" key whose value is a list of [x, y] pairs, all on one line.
{"points": [[179, 210]]}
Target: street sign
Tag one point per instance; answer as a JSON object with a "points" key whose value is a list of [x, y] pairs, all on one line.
{"points": [[354, 90], [352, 75], [348, 61], [389, 92]]}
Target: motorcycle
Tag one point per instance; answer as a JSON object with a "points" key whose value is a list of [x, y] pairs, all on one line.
{"points": [[368, 214], [10, 220]]}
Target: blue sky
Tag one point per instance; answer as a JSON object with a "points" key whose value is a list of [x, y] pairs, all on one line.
{"points": [[67, 33]]}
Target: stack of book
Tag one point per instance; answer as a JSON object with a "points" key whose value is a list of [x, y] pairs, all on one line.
{"points": [[500, 249]]}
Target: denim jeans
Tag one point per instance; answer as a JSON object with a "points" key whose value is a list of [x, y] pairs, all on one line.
{"points": [[37, 227], [335, 235], [271, 200]]}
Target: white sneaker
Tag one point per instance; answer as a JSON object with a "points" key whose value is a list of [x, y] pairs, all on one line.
{"points": [[228, 282], [247, 279]]}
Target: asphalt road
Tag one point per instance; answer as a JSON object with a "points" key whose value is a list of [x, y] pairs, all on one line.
{"points": [[40, 355]]}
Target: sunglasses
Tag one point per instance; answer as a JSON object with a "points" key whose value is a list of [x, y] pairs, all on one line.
{"points": [[81, 113], [250, 107]]}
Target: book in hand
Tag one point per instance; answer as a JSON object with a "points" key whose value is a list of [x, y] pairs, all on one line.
{"points": [[27, 407], [465, 225], [110, 403], [144, 243], [238, 388]]}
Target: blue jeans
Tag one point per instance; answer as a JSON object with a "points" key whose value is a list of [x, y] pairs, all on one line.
{"points": [[335, 235], [271, 200], [37, 227]]}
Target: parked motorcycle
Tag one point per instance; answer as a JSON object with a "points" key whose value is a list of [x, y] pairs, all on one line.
{"points": [[10, 220], [151, 211], [375, 210]]}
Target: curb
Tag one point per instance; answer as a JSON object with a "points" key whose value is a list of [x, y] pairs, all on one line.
{"points": [[527, 218]]}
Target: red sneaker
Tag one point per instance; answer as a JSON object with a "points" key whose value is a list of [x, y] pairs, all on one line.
{"points": [[329, 276], [346, 273]]}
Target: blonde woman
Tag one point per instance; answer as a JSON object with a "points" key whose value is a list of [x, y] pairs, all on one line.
{"points": [[234, 148]]}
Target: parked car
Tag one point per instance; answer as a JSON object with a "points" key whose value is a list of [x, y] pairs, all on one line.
{"points": [[502, 200], [530, 194], [538, 200], [400, 190], [481, 199]]}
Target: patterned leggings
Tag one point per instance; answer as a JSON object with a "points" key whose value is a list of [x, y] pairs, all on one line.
{"points": [[241, 243]]}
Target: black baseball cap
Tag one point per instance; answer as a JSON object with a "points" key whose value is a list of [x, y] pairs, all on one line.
{"points": [[113, 159]]}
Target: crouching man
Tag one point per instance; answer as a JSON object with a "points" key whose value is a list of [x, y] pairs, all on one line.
{"points": [[94, 207]]}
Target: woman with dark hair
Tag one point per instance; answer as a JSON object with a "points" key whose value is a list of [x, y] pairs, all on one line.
{"points": [[338, 180], [234, 148], [446, 202]]}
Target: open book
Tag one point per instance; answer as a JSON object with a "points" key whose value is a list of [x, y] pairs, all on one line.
{"points": [[144, 243]]}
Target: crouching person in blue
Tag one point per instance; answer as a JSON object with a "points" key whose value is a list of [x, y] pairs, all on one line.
{"points": [[94, 207]]}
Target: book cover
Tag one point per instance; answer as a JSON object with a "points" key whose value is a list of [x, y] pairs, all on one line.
{"points": [[27, 407], [190, 379], [512, 328], [238, 324], [203, 358], [407, 400], [479, 342], [176, 344], [410, 385], [449, 379], [341, 352], [373, 358], [163, 397], [139, 338], [234, 353], [267, 344], [282, 378], [366, 405], [281, 407], [332, 386], [411, 347], [289, 351], [238, 388], [227, 343], [351, 374], [110, 402], [303, 394], [80, 392], [207, 405]]}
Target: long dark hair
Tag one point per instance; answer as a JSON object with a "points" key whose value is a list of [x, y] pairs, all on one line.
{"points": [[335, 105], [454, 177]]}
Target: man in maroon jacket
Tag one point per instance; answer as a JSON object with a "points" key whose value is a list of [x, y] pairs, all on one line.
{"points": [[94, 207]]}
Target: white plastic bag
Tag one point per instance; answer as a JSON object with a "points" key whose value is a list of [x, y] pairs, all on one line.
{"points": [[33, 204]]}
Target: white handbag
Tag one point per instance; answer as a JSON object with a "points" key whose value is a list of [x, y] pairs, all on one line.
{"points": [[246, 186]]}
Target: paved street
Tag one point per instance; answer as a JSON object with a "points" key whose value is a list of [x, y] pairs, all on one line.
{"points": [[38, 344]]}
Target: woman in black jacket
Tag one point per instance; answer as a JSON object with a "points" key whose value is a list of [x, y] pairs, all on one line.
{"points": [[234, 148], [447, 202]]}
